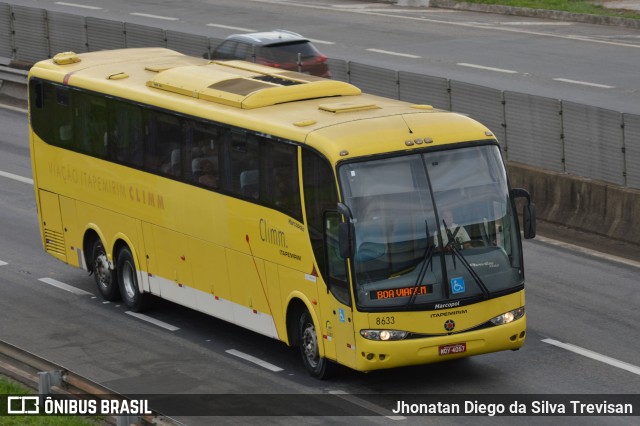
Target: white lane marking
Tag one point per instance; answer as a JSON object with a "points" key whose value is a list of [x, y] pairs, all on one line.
{"points": [[65, 287], [153, 321], [386, 52], [82, 6], [16, 177], [366, 404], [254, 360], [584, 83], [228, 27], [316, 41], [146, 15], [482, 67], [3, 263], [583, 250], [595, 355]]}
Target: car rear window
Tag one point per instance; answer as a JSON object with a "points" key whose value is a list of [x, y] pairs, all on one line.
{"points": [[288, 52]]}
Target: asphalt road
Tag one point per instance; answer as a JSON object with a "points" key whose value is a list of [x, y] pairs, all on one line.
{"points": [[590, 64], [582, 331]]}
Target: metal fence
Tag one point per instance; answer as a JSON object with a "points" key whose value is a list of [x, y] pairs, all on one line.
{"points": [[538, 131]]}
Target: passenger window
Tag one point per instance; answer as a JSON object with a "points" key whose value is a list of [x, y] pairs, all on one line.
{"points": [[63, 118], [205, 156], [125, 133], [244, 167], [90, 124], [281, 188], [162, 151]]}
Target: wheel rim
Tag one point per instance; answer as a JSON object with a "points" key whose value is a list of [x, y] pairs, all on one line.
{"points": [[310, 345], [102, 271], [129, 280]]}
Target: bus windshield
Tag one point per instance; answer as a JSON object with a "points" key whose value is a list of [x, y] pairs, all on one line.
{"points": [[432, 229]]}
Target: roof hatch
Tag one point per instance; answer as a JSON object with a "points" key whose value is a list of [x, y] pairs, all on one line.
{"points": [[340, 107], [245, 86]]}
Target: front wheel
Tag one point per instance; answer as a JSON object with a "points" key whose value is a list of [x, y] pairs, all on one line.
{"points": [[102, 272], [128, 281], [317, 366]]}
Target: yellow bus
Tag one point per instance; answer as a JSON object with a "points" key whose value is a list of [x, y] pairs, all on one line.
{"points": [[365, 231]]}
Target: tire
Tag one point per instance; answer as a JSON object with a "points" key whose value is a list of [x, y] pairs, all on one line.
{"points": [[128, 281], [317, 366], [102, 273]]}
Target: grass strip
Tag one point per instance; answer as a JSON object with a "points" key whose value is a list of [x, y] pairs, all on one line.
{"points": [[10, 388], [572, 6]]}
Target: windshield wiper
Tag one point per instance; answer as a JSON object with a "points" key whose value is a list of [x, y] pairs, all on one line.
{"points": [[455, 252], [426, 261]]}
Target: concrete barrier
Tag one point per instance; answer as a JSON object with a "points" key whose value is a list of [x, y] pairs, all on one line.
{"points": [[580, 203]]}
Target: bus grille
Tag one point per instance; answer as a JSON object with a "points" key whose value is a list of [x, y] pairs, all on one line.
{"points": [[54, 242]]}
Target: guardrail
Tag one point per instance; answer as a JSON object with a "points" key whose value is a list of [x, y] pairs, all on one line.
{"points": [[49, 379], [13, 75]]}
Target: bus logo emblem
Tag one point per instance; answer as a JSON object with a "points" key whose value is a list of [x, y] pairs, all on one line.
{"points": [[449, 325]]}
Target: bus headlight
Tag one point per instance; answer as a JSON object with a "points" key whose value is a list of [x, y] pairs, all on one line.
{"points": [[508, 317], [383, 334]]}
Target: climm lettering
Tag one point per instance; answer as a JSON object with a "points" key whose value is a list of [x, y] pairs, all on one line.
{"points": [[271, 235], [147, 198]]}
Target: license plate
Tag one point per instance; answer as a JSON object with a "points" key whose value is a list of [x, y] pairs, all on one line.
{"points": [[456, 348]]}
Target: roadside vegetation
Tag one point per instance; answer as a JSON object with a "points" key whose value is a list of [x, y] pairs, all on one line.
{"points": [[9, 387], [573, 6]]}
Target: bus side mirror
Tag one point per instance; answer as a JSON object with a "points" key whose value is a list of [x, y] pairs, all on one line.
{"points": [[346, 233], [528, 213], [529, 220]]}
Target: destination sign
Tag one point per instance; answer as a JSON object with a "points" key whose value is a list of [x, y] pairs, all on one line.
{"points": [[393, 293]]}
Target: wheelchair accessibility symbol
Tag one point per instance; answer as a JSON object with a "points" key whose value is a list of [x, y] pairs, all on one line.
{"points": [[457, 285]]}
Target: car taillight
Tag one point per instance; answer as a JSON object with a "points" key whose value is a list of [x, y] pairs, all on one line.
{"points": [[267, 62]]}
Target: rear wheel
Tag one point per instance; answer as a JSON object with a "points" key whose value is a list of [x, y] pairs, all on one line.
{"points": [[317, 366], [128, 281], [102, 272]]}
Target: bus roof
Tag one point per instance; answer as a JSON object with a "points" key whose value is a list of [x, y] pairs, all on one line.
{"points": [[334, 117]]}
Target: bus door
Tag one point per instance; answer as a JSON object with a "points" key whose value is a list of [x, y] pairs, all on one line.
{"points": [[338, 328]]}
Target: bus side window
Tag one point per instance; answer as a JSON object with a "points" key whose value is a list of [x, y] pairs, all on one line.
{"points": [[244, 165], [204, 159], [163, 145], [62, 118], [125, 133], [90, 124], [281, 188]]}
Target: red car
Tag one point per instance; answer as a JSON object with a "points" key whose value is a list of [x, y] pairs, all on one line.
{"points": [[279, 48]]}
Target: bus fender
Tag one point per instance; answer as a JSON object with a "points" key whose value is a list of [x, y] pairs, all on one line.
{"points": [[303, 300], [120, 240], [89, 227]]}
